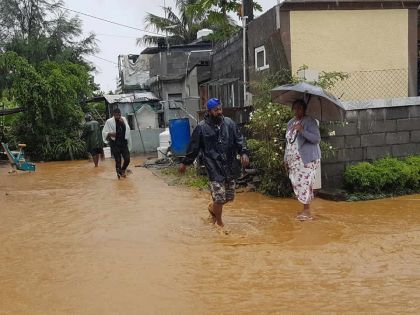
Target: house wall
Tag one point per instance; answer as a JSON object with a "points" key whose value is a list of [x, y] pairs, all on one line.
{"points": [[382, 128], [265, 31], [351, 41], [227, 63], [148, 142], [190, 88], [146, 118], [227, 59], [176, 62]]}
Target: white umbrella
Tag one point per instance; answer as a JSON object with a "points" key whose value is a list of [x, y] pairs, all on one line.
{"points": [[322, 105]]}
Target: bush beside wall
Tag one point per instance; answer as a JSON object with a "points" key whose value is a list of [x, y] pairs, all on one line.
{"points": [[384, 177]]}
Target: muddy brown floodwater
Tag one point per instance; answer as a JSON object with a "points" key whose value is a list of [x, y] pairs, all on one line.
{"points": [[75, 240]]}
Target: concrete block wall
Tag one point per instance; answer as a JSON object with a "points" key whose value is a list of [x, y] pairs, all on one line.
{"points": [[369, 133]]}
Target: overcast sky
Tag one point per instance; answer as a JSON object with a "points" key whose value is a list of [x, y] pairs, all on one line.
{"points": [[114, 40]]}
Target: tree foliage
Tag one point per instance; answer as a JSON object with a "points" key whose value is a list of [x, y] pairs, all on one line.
{"points": [[218, 13], [180, 24], [41, 30], [50, 94], [189, 16], [43, 70]]}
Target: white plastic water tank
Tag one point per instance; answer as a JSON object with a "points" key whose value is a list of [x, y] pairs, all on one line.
{"points": [[165, 138], [204, 32], [107, 152]]}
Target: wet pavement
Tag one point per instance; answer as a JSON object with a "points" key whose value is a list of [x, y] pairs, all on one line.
{"points": [[75, 240]]}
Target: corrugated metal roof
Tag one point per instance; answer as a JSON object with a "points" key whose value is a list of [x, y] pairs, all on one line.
{"points": [[131, 97]]}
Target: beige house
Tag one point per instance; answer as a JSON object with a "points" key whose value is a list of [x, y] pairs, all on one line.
{"points": [[375, 42]]}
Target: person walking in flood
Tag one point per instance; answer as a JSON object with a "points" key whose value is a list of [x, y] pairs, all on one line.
{"points": [[117, 133], [302, 156], [93, 138], [220, 141]]}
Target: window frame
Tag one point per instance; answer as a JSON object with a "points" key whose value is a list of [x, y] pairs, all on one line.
{"points": [[259, 50]]}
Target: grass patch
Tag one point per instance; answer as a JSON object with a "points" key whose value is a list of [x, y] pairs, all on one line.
{"points": [[190, 178]]}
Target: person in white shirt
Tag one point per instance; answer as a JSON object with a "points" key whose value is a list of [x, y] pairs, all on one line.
{"points": [[116, 132]]}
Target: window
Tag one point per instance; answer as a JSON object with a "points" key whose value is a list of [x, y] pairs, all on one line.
{"points": [[260, 58]]}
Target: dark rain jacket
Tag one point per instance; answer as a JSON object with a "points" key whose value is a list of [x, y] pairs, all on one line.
{"points": [[219, 145], [92, 135]]}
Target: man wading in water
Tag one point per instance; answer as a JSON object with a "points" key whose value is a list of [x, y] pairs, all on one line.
{"points": [[93, 137], [117, 132], [220, 141]]}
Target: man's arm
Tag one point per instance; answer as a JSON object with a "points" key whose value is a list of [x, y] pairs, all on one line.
{"points": [[106, 131], [240, 146], [193, 149]]}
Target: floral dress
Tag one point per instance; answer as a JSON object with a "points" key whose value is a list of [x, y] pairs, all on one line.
{"points": [[301, 175]]}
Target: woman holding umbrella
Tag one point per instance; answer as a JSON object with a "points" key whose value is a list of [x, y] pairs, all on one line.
{"points": [[302, 156]]}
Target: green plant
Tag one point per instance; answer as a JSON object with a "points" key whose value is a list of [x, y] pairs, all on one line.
{"points": [[387, 176], [51, 94], [414, 163], [267, 158]]}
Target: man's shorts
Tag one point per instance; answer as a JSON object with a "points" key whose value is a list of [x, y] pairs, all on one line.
{"points": [[96, 151], [223, 192]]}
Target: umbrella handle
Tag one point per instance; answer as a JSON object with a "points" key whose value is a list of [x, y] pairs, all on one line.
{"points": [[308, 98], [294, 139]]}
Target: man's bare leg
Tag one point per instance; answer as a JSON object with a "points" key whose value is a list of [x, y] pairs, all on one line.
{"points": [[217, 210], [212, 217], [96, 159]]}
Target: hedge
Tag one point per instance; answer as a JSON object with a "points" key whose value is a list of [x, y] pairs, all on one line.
{"points": [[385, 176]]}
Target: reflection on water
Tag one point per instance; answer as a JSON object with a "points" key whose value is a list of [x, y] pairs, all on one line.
{"points": [[76, 240]]}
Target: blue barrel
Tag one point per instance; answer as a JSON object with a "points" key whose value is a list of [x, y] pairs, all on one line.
{"points": [[180, 135]]}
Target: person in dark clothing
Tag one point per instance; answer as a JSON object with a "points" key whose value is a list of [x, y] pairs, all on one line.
{"points": [[117, 132], [220, 141], [93, 138]]}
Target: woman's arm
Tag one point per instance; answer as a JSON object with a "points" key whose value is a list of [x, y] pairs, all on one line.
{"points": [[311, 132]]}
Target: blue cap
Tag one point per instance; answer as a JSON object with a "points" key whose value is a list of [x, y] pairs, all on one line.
{"points": [[212, 103]]}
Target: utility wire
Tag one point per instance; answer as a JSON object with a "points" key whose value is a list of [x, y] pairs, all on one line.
{"points": [[107, 60], [115, 35], [104, 59], [112, 22]]}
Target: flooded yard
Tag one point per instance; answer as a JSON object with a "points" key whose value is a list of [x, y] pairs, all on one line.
{"points": [[75, 240]]}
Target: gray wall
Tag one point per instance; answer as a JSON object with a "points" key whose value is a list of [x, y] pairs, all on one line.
{"points": [[227, 63], [227, 59], [176, 62], [150, 139], [371, 133], [264, 31]]}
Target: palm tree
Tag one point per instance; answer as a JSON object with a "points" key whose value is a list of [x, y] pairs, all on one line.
{"points": [[183, 28], [180, 28]]}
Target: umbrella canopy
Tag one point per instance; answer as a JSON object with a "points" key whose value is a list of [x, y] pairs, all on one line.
{"points": [[322, 105]]}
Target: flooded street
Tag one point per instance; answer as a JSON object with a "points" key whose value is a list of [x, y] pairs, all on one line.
{"points": [[75, 240]]}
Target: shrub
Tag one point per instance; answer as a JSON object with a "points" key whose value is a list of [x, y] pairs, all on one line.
{"points": [[414, 163], [384, 176], [267, 158]]}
